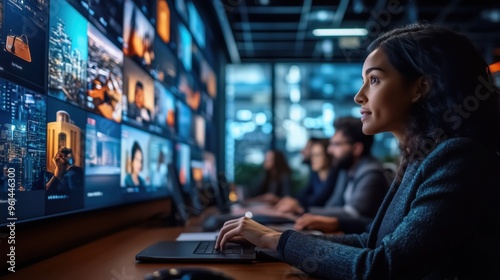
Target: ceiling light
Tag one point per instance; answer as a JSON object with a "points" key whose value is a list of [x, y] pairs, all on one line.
{"points": [[340, 32], [321, 15]]}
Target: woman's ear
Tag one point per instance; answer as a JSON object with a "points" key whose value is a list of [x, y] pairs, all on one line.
{"points": [[421, 89]]}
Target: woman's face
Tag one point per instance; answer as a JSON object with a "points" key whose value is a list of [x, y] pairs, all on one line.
{"points": [[269, 161], [385, 97], [137, 162], [318, 158]]}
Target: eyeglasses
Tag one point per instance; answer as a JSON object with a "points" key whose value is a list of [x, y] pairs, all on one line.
{"points": [[339, 143]]}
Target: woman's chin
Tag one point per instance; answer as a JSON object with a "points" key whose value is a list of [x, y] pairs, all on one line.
{"points": [[369, 130]]}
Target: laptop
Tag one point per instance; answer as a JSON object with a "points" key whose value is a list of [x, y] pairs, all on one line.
{"points": [[192, 251], [196, 251]]}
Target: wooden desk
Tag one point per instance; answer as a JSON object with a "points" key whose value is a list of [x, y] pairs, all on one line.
{"points": [[113, 258]]}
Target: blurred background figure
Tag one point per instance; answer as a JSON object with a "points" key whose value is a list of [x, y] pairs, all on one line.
{"points": [[357, 184], [276, 181], [317, 191], [306, 151], [360, 187]]}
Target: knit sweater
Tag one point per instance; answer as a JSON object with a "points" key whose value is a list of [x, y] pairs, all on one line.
{"points": [[441, 222]]}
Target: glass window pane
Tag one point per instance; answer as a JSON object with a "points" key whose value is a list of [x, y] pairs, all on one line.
{"points": [[248, 117]]}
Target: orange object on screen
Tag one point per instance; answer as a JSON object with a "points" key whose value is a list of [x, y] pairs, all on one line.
{"points": [[163, 20], [495, 67], [171, 118]]}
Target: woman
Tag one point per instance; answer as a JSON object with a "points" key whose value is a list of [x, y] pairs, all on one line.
{"points": [[277, 179], [321, 161], [317, 191], [432, 89], [133, 179]]}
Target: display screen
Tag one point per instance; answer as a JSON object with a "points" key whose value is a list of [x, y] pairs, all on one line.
{"points": [[164, 108], [196, 25], [164, 67], [144, 161], [138, 36], [23, 30], [189, 89], [104, 76], [199, 131], [184, 43], [22, 149], [68, 51], [163, 19], [183, 152], [139, 92], [97, 99], [184, 121], [107, 16], [182, 9], [102, 161]]}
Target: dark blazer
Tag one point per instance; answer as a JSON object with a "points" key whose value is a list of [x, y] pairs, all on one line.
{"points": [[441, 222], [312, 196]]}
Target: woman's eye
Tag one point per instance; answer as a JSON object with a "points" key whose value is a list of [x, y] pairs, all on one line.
{"points": [[373, 80]]}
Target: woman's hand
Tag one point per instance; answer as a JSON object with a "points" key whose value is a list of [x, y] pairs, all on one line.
{"points": [[246, 229], [317, 222]]}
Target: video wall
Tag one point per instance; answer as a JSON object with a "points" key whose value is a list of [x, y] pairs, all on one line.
{"points": [[97, 98]]}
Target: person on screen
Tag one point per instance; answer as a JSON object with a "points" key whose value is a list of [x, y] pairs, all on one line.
{"points": [[67, 177], [137, 110], [149, 54], [431, 88], [133, 179]]}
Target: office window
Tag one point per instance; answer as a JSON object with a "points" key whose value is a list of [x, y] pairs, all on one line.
{"points": [[308, 97], [248, 117]]}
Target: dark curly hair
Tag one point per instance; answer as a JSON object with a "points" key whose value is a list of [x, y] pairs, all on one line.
{"points": [[462, 100]]}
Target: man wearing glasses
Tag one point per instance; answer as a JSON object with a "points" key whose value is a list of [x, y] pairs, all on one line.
{"points": [[359, 189]]}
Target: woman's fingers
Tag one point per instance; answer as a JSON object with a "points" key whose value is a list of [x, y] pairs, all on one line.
{"points": [[247, 229], [227, 236], [226, 228]]}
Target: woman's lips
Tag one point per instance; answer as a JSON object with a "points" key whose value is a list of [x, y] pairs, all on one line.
{"points": [[365, 114]]}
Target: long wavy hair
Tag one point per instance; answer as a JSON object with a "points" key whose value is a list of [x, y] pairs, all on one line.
{"points": [[279, 169], [462, 101]]}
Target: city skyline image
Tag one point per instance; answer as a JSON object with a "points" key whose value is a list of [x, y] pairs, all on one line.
{"points": [[22, 135]]}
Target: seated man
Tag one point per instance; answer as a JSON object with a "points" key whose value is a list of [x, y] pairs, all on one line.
{"points": [[359, 188]]}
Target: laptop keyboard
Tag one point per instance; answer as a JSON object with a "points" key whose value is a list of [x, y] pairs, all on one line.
{"points": [[207, 248]]}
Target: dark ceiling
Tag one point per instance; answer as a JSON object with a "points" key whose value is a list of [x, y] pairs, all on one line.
{"points": [[277, 30]]}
